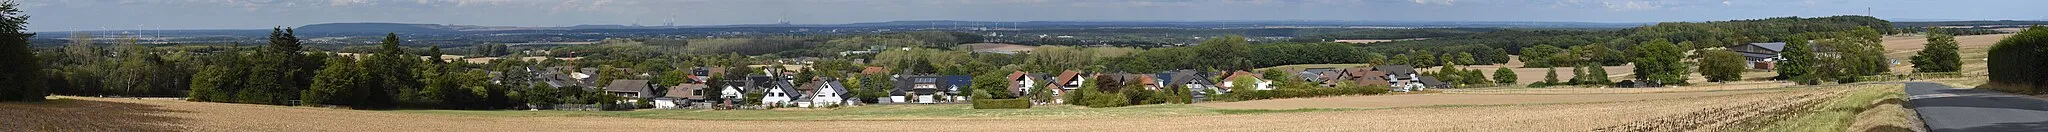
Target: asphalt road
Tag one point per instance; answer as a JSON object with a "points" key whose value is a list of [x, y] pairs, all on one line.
{"points": [[1946, 109]]}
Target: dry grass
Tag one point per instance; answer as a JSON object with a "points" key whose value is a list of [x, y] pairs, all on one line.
{"points": [[1422, 100], [1584, 90]]}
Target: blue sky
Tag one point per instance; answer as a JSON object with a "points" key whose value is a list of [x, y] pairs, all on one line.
{"points": [[73, 15]]}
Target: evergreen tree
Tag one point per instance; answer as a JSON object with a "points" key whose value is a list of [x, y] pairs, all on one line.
{"points": [[1550, 77], [1596, 75], [393, 78], [1661, 62], [1939, 55], [1799, 61], [24, 78]]}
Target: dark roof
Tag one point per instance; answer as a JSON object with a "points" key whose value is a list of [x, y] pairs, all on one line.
{"points": [[1773, 46], [1431, 81], [1395, 69], [628, 86], [948, 83]]}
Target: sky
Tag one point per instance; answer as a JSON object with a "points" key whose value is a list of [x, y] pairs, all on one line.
{"points": [[78, 15]]}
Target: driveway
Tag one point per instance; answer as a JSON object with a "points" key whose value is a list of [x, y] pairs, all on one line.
{"points": [[1946, 109]]}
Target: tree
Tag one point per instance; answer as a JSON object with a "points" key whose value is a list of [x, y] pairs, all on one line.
{"points": [[1504, 75], [1375, 59], [1799, 61], [392, 70], [1450, 73], [1465, 58], [1228, 52], [1721, 65], [1661, 62], [1939, 55], [24, 78], [992, 82], [1539, 56], [332, 85], [1400, 59], [1596, 75]]}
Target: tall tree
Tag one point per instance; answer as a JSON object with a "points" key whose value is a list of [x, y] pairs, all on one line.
{"points": [[1228, 51], [24, 78], [1550, 78], [1660, 61], [1799, 60], [1939, 55], [392, 72]]}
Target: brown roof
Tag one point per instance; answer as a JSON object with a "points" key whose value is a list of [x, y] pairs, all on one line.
{"points": [[684, 90], [1062, 79], [812, 86], [1234, 75], [1017, 75], [874, 70]]}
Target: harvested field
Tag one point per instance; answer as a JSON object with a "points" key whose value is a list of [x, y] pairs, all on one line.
{"points": [[133, 115], [1558, 90], [1417, 100]]}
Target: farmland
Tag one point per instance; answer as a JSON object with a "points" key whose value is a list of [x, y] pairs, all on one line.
{"points": [[1500, 109]]}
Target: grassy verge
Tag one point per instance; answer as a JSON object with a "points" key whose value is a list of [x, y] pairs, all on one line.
{"points": [[1839, 113]]}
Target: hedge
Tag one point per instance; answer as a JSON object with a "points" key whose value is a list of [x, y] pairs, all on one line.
{"points": [[1018, 103], [2015, 62], [1305, 92]]}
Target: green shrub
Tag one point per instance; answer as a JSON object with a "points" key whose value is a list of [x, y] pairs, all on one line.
{"points": [[1002, 104], [2015, 62]]}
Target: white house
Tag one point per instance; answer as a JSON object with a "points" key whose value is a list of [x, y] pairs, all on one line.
{"points": [[731, 93], [828, 92], [1230, 82]]}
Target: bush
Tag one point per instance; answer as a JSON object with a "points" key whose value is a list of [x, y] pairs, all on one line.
{"points": [[1305, 92], [2015, 62], [1002, 104]]}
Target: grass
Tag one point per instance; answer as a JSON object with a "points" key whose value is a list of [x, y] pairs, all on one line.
{"points": [[1839, 113], [882, 112]]}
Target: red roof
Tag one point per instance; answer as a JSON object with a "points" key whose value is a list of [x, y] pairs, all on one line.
{"points": [[1062, 79], [1017, 75], [874, 70]]}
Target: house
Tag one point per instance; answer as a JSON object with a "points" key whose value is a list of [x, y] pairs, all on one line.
{"points": [[951, 85], [633, 90], [1230, 81], [1400, 77], [1066, 81], [683, 95], [1021, 83], [823, 92], [1196, 83], [1761, 56], [779, 92], [916, 89]]}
